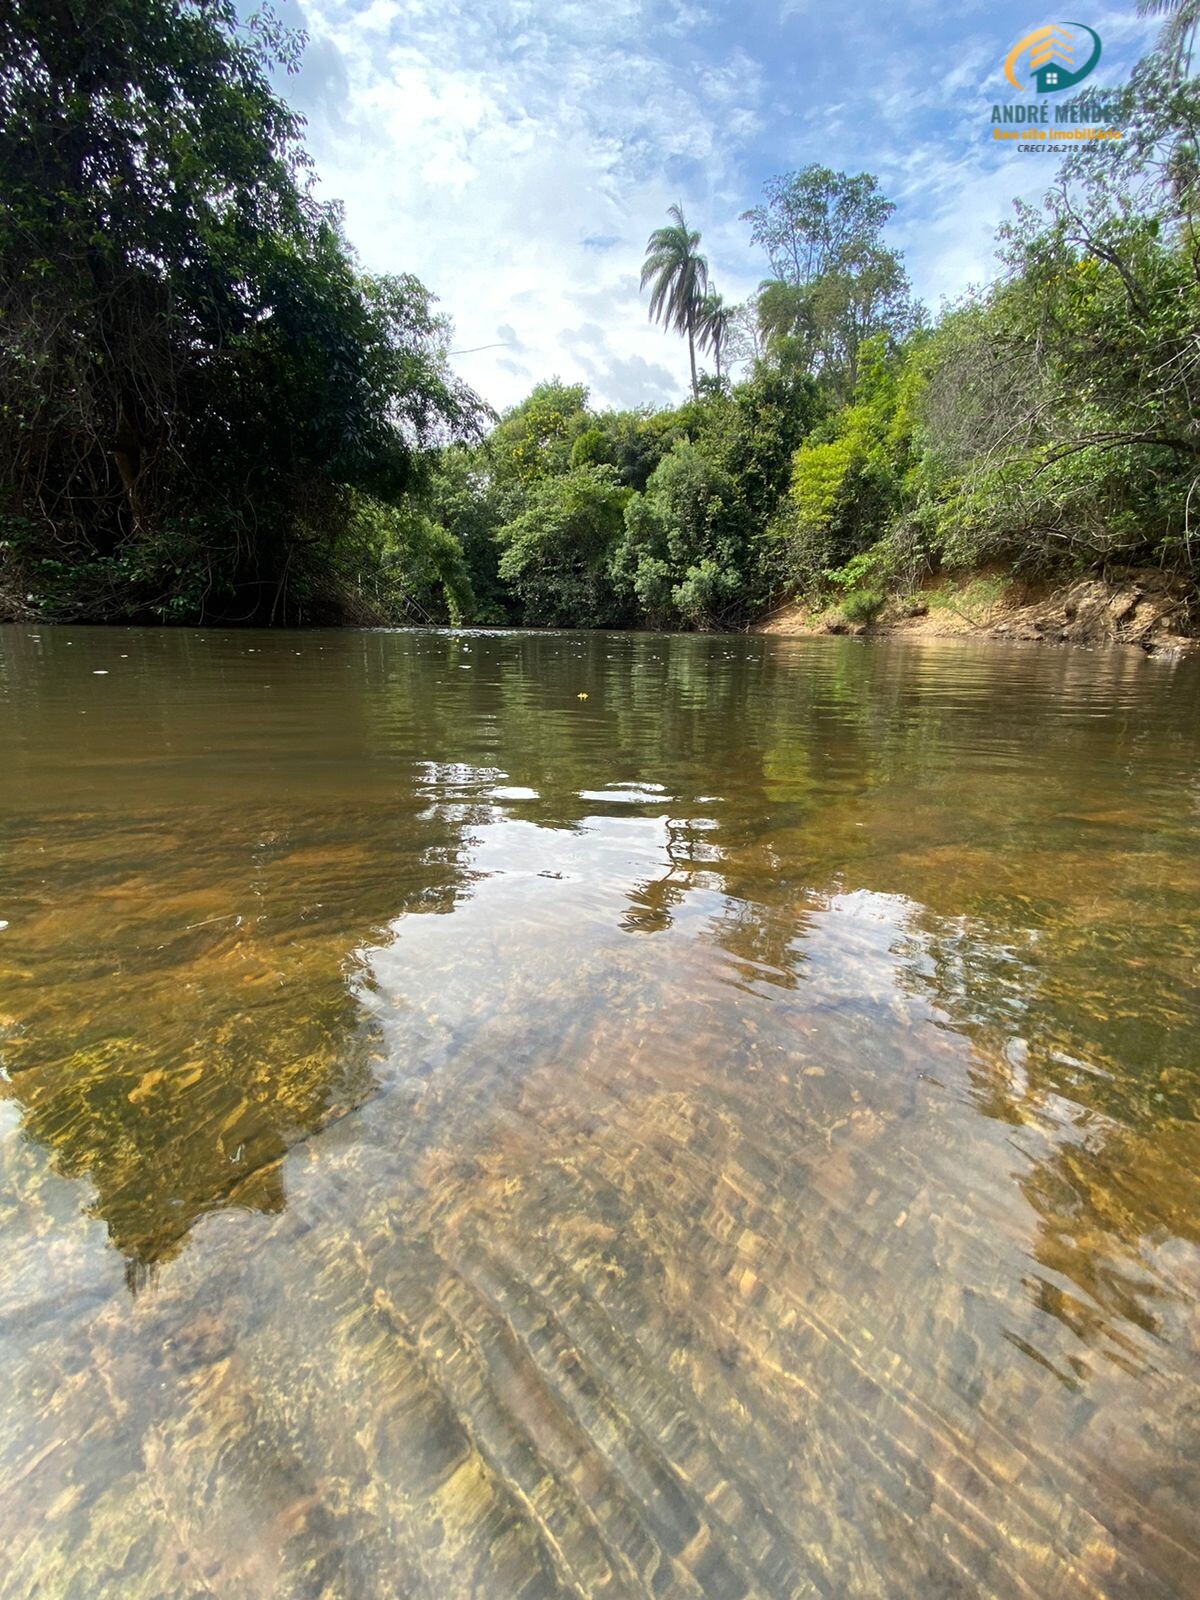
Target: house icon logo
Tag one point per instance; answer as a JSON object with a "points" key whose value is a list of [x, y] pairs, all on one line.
{"points": [[1056, 57]]}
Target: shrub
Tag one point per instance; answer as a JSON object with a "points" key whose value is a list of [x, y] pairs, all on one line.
{"points": [[862, 605]]}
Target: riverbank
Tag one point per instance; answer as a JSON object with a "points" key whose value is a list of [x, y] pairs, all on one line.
{"points": [[1143, 607]]}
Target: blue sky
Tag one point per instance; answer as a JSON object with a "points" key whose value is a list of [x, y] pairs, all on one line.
{"points": [[515, 154]]}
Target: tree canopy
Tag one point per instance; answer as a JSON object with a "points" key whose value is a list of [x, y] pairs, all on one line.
{"points": [[196, 380]]}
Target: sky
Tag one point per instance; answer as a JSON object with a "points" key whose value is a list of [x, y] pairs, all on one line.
{"points": [[516, 154]]}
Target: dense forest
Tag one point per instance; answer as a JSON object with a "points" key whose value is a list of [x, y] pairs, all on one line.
{"points": [[210, 413]]}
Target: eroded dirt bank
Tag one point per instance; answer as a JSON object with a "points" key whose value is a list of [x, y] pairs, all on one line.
{"points": [[1135, 606]]}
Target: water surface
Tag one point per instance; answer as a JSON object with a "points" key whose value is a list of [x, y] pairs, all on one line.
{"points": [[734, 1134]]}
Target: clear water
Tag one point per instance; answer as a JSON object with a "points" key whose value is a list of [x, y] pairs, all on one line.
{"points": [[731, 1135]]}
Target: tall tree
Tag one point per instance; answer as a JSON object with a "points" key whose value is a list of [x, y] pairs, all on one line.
{"points": [[815, 221], [836, 282], [195, 379], [678, 276], [784, 312]]}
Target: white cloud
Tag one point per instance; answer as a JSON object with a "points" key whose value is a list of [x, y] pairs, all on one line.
{"points": [[516, 156]]}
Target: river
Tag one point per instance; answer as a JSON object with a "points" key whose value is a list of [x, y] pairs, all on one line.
{"points": [[512, 1115]]}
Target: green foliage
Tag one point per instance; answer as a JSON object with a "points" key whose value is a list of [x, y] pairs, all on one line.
{"points": [[405, 567], [625, 516], [461, 498], [557, 551], [817, 221], [1045, 423], [837, 286], [162, 578], [849, 478], [862, 605], [706, 592], [631, 442], [195, 379], [694, 551], [867, 564], [682, 554], [976, 600], [1059, 429], [535, 440], [713, 324]]}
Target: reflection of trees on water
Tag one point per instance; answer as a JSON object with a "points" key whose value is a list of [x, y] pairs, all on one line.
{"points": [[183, 1014], [767, 943], [1051, 924], [171, 1051], [651, 900], [1107, 1115]]}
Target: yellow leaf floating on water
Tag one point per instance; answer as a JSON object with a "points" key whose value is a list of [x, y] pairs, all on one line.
{"points": [[581, 695]]}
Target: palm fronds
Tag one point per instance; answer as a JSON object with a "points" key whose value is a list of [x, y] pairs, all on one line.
{"points": [[678, 277]]}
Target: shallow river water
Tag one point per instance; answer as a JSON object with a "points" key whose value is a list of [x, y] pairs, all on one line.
{"points": [[734, 1134]]}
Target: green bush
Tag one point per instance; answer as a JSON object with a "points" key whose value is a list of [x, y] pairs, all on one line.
{"points": [[557, 553], [862, 605]]}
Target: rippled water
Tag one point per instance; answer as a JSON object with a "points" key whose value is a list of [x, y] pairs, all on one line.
{"points": [[732, 1134]]}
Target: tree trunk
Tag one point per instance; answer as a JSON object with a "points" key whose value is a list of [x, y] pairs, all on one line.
{"points": [[127, 454], [692, 357]]}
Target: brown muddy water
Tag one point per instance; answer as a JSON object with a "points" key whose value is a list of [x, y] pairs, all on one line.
{"points": [[731, 1135]]}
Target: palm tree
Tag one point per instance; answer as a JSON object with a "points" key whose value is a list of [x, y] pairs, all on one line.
{"points": [[1178, 33], [678, 274], [713, 321]]}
